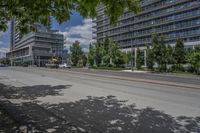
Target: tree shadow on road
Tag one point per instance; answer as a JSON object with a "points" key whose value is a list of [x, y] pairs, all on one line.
{"points": [[109, 115], [17, 117], [92, 115], [31, 92]]}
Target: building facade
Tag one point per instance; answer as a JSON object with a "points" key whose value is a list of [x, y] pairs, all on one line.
{"points": [[35, 48], [2, 54], [173, 18]]}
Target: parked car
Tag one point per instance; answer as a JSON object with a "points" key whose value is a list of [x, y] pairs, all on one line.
{"points": [[64, 66]]}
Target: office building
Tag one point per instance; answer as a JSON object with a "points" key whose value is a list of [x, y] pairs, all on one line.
{"points": [[2, 54], [172, 18], [35, 48]]}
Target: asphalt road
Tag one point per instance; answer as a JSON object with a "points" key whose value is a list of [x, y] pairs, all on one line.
{"points": [[68, 101]]}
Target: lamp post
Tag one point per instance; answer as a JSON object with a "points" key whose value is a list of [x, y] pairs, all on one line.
{"points": [[131, 55], [135, 57], [145, 57]]}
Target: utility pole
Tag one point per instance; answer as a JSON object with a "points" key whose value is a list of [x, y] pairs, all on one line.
{"points": [[145, 57], [135, 57], [39, 60], [131, 55]]}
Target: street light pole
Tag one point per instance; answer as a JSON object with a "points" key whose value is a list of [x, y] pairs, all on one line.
{"points": [[131, 55], [135, 57], [131, 51]]}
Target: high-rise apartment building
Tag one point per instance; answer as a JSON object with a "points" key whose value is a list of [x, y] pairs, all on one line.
{"points": [[35, 48], [172, 18]]}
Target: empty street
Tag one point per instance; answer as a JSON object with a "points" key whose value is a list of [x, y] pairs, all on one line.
{"points": [[49, 100]]}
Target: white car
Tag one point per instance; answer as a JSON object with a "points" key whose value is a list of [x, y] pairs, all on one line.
{"points": [[64, 66]]}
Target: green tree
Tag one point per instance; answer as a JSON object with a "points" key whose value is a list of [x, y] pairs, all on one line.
{"points": [[127, 57], [188, 51], [194, 58], [139, 59], [197, 48], [28, 12], [150, 58], [106, 51], [119, 59], [91, 55], [106, 60], [106, 45], [98, 53], [169, 54], [163, 50], [159, 51], [5, 61], [156, 48], [76, 53], [110, 54], [179, 53], [84, 60], [113, 52], [113, 55]]}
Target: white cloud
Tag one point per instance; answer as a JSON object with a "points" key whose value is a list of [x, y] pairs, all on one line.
{"points": [[4, 50], [81, 33], [1, 33], [85, 50], [1, 43]]}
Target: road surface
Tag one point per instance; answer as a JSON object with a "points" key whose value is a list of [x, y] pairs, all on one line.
{"points": [[49, 100]]}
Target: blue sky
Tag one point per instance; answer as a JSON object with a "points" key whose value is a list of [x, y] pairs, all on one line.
{"points": [[77, 28]]}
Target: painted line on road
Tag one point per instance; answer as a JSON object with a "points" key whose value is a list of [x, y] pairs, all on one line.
{"points": [[166, 83]]}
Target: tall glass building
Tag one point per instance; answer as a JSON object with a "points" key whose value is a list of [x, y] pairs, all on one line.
{"points": [[35, 48], [172, 18]]}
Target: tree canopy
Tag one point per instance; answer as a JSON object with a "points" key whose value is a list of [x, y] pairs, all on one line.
{"points": [[28, 12], [194, 58], [150, 58], [76, 53], [4, 61], [159, 50], [91, 55], [107, 54], [179, 52], [139, 59]]}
